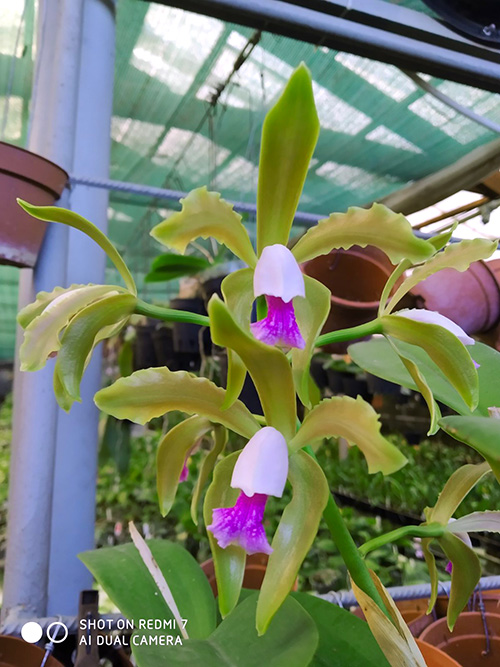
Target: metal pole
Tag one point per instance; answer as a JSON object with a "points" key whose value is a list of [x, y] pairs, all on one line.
{"points": [[53, 119], [73, 504]]}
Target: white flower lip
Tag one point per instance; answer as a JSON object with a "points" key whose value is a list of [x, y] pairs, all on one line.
{"points": [[461, 535], [278, 274], [432, 317], [262, 466]]}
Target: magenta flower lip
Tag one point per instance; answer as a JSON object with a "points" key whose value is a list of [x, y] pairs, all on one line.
{"points": [[279, 327]]}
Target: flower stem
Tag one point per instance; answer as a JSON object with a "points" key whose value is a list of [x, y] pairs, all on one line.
{"points": [[170, 314], [348, 549], [343, 335], [432, 530]]}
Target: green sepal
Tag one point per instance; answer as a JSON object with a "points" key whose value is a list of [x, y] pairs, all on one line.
{"points": [[206, 214], [458, 256], [465, 574], [357, 422], [220, 440], [433, 572], [170, 266], [152, 392], [230, 562], [447, 352], [268, 367], [79, 337], [440, 240], [294, 536], [72, 219], [377, 226], [454, 491], [289, 136], [171, 454], [27, 314], [480, 433], [311, 314]]}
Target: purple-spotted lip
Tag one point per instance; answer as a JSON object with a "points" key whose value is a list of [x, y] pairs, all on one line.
{"points": [[279, 327]]}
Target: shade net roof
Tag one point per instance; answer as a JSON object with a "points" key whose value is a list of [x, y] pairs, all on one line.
{"points": [[379, 131]]}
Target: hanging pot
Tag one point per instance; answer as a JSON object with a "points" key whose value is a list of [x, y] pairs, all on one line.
{"points": [[16, 652], [37, 180]]}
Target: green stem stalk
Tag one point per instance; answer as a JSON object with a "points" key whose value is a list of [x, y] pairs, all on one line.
{"points": [[352, 333], [170, 314], [433, 530]]}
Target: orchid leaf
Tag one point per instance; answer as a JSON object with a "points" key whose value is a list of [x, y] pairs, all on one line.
{"points": [[465, 574], [294, 536], [357, 422], [152, 392], [457, 256], [311, 314], [477, 522], [78, 339], [230, 562], [27, 314], [377, 226], [172, 452], [447, 352], [268, 367], [237, 290], [206, 214], [456, 488], [41, 336], [433, 572], [220, 440], [480, 433], [170, 266], [394, 638], [72, 219], [289, 136]]}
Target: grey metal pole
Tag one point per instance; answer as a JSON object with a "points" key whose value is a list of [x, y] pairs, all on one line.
{"points": [[53, 118], [73, 504]]}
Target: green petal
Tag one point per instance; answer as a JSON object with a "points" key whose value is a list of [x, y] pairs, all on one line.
{"points": [[440, 240], [66, 217], [465, 574], [230, 562], [447, 352], [79, 338], [433, 573], [295, 534], [289, 136], [311, 314], [357, 422], [206, 214], [457, 256], [154, 391], [377, 226], [455, 490], [41, 336], [480, 433], [27, 314], [220, 440], [268, 367], [170, 266], [171, 454]]}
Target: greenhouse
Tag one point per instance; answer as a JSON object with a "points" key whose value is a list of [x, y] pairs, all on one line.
{"points": [[250, 333]]}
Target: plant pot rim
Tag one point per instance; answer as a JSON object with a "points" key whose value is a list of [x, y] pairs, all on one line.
{"points": [[33, 167]]}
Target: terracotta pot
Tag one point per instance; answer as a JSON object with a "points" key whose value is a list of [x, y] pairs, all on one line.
{"points": [[356, 278], [435, 657], [38, 181], [18, 653], [470, 298]]}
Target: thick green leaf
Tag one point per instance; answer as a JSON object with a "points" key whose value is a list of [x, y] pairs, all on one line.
{"points": [[66, 217], [289, 136], [290, 641], [455, 490], [27, 314], [154, 391], [480, 433], [465, 574], [230, 562], [344, 639], [79, 337], [126, 580], [295, 534], [457, 256], [170, 266], [171, 454], [206, 214], [311, 314], [41, 336], [377, 226], [357, 422], [267, 365], [220, 440], [447, 352]]}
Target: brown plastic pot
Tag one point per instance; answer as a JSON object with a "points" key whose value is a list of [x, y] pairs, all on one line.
{"points": [[434, 657], [37, 180], [18, 653]]}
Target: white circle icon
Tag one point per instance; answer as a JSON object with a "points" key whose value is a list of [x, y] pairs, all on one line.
{"points": [[54, 633], [31, 632]]}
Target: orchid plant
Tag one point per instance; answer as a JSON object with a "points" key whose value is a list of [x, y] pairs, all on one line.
{"points": [[276, 351]]}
